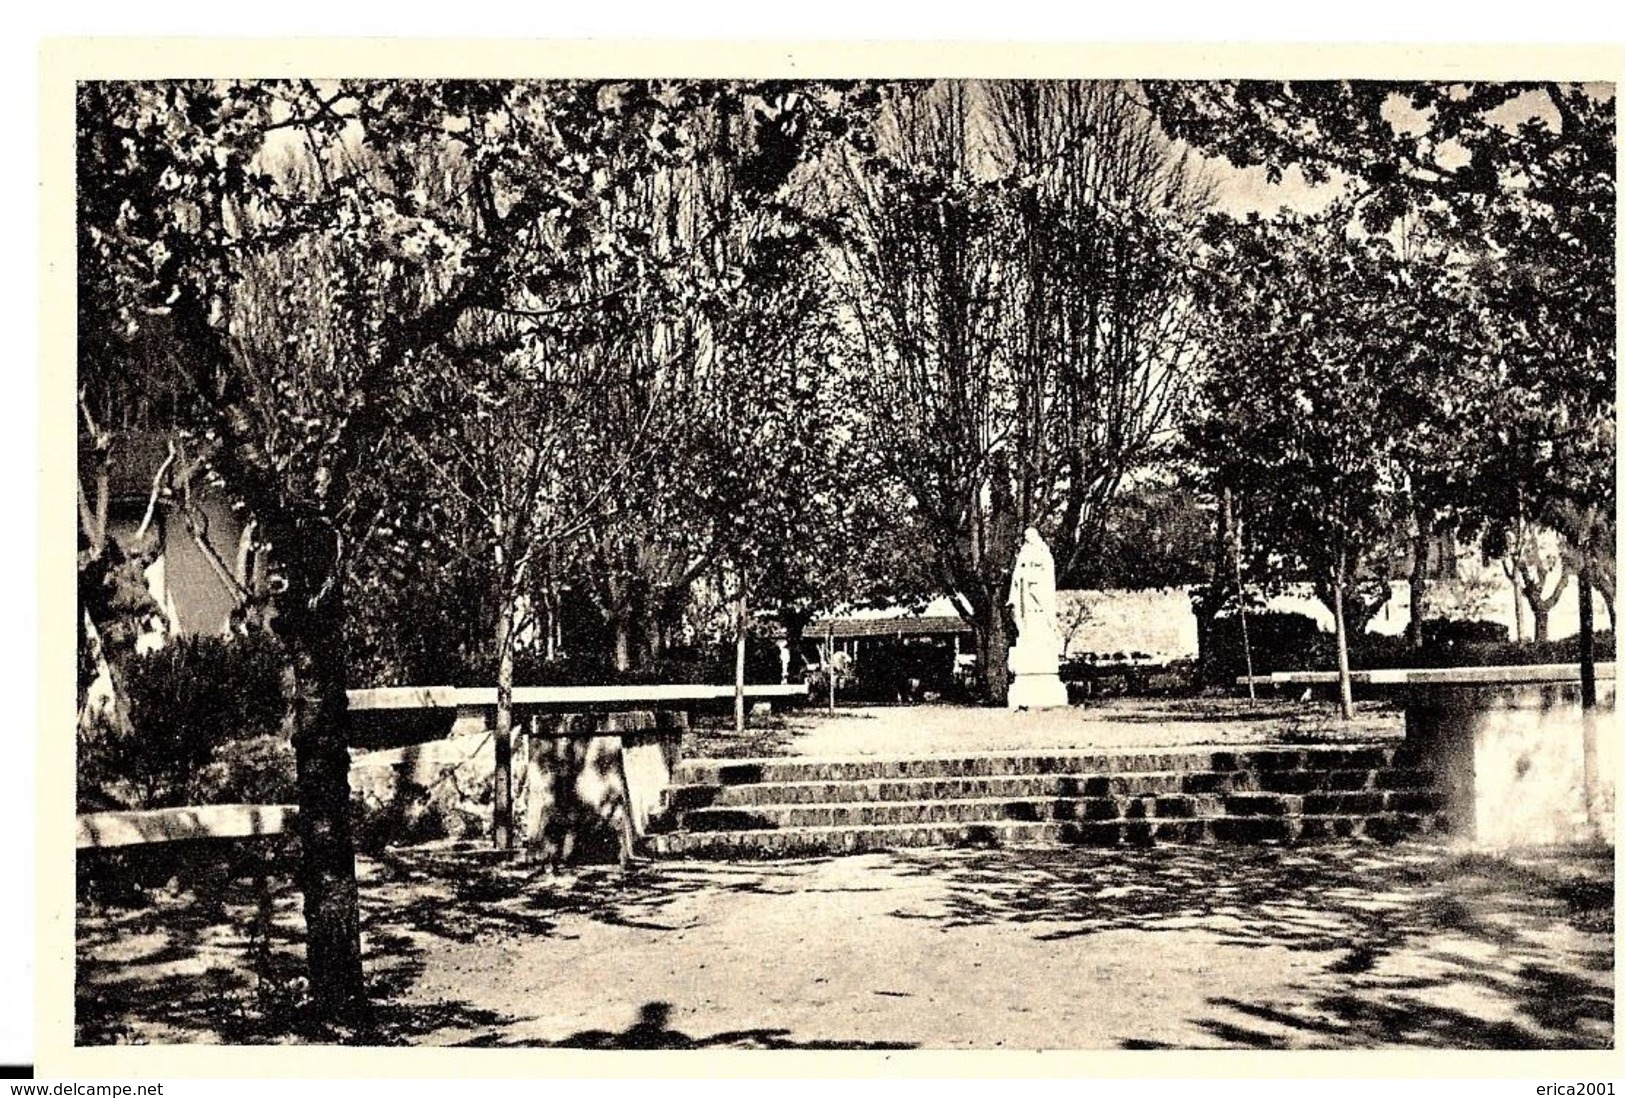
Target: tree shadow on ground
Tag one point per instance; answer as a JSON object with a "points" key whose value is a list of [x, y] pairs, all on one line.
{"points": [[463, 894], [1408, 945], [215, 959], [1423, 946], [211, 959], [653, 1030]]}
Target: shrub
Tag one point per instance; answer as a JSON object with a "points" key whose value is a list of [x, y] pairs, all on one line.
{"points": [[1376, 650], [1380, 652], [1279, 641], [1443, 632], [207, 727], [1087, 678]]}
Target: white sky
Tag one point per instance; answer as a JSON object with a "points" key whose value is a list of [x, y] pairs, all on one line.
{"points": [[1244, 191]]}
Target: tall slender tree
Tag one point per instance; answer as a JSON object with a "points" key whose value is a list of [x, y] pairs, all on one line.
{"points": [[1295, 420], [1015, 267]]}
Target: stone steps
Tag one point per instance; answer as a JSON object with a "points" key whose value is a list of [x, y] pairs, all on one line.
{"points": [[1180, 806], [1011, 786], [757, 771], [790, 807], [811, 841]]}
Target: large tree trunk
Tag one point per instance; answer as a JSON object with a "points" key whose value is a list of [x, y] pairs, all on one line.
{"points": [[992, 633], [310, 622], [114, 600], [795, 628], [1602, 581], [1588, 642], [995, 648], [996, 544], [621, 625], [1541, 614], [1517, 600], [1533, 583], [662, 613]]}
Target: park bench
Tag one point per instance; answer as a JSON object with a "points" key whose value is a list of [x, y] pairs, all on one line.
{"points": [[583, 754], [1520, 762]]}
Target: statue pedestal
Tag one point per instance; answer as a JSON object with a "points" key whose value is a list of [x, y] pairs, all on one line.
{"points": [[1037, 692], [1034, 683]]}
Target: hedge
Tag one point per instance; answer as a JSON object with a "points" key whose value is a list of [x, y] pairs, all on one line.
{"points": [[207, 719]]}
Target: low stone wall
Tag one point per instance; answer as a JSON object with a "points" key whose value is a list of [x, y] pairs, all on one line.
{"points": [[585, 784], [1520, 764], [440, 789]]}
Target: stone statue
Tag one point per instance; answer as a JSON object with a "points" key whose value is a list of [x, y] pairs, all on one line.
{"points": [[1035, 657]]}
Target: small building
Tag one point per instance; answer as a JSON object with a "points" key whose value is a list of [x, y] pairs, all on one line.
{"points": [[896, 653], [204, 548]]}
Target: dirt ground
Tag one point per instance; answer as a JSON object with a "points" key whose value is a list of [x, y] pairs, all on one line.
{"points": [[1349, 946]]}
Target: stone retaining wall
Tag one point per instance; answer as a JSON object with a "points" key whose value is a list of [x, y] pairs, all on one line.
{"points": [[1519, 764], [585, 784]]}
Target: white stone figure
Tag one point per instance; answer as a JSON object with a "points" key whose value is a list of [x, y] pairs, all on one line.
{"points": [[1035, 657]]}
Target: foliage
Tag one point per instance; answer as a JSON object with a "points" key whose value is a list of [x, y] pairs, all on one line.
{"points": [[1293, 416], [207, 718], [314, 253], [1293, 642], [1158, 535], [1375, 651], [1278, 641], [421, 619], [708, 663], [1442, 632], [1515, 186]]}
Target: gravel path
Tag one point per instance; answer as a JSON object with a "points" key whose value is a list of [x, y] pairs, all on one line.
{"points": [[1108, 724]]}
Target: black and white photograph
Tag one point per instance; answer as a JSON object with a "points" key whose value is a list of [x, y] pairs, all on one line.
{"points": [[882, 563]]}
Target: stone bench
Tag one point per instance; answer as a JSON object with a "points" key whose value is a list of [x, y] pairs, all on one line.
{"points": [[1518, 760]]}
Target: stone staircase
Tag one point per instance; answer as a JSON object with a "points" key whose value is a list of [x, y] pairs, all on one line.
{"points": [[767, 808]]}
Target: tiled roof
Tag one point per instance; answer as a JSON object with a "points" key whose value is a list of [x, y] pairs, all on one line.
{"points": [[916, 626]]}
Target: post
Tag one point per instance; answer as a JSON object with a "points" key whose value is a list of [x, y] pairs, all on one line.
{"points": [[1588, 640], [501, 725], [1588, 701], [739, 667], [829, 664], [1241, 596], [1345, 690]]}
